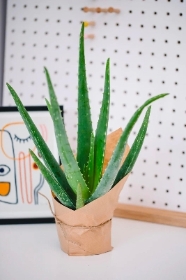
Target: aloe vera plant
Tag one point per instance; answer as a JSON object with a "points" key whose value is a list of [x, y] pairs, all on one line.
{"points": [[81, 180]]}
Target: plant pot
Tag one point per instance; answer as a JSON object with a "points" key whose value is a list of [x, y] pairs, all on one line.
{"points": [[87, 231]]}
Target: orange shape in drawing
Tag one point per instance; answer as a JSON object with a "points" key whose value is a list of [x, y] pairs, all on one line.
{"points": [[35, 167], [4, 188]]}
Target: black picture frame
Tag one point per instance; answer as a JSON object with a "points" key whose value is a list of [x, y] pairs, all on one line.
{"points": [[26, 220]]}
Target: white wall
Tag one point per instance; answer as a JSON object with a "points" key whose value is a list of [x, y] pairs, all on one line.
{"points": [[2, 33], [146, 43]]}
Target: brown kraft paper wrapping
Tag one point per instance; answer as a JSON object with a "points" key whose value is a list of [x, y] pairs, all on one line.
{"points": [[87, 231]]}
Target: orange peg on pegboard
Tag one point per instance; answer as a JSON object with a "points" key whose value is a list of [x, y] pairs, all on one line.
{"points": [[101, 10], [89, 36], [112, 10]]}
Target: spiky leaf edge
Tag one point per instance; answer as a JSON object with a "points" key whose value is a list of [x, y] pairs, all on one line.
{"points": [[79, 199], [89, 169], [70, 165], [54, 185], [101, 130], [42, 147], [134, 150], [84, 115], [112, 169]]}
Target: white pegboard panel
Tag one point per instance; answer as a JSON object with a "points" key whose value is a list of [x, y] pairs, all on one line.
{"points": [[146, 43]]}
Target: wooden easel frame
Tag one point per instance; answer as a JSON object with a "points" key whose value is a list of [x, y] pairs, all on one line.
{"points": [[151, 215]]}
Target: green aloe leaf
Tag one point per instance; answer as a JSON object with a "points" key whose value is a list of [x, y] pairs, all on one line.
{"points": [[41, 146], [79, 200], [135, 150], [113, 166], [49, 106], [84, 115], [54, 185], [89, 172], [70, 165], [101, 130]]}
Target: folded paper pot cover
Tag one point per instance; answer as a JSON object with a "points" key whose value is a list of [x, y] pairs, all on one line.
{"points": [[87, 230]]}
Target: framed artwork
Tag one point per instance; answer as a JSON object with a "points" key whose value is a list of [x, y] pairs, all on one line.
{"points": [[20, 178]]}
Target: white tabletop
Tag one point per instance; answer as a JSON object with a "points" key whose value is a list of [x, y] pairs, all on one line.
{"points": [[141, 251]]}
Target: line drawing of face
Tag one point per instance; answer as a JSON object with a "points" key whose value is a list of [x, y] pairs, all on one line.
{"points": [[8, 176], [29, 179]]}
